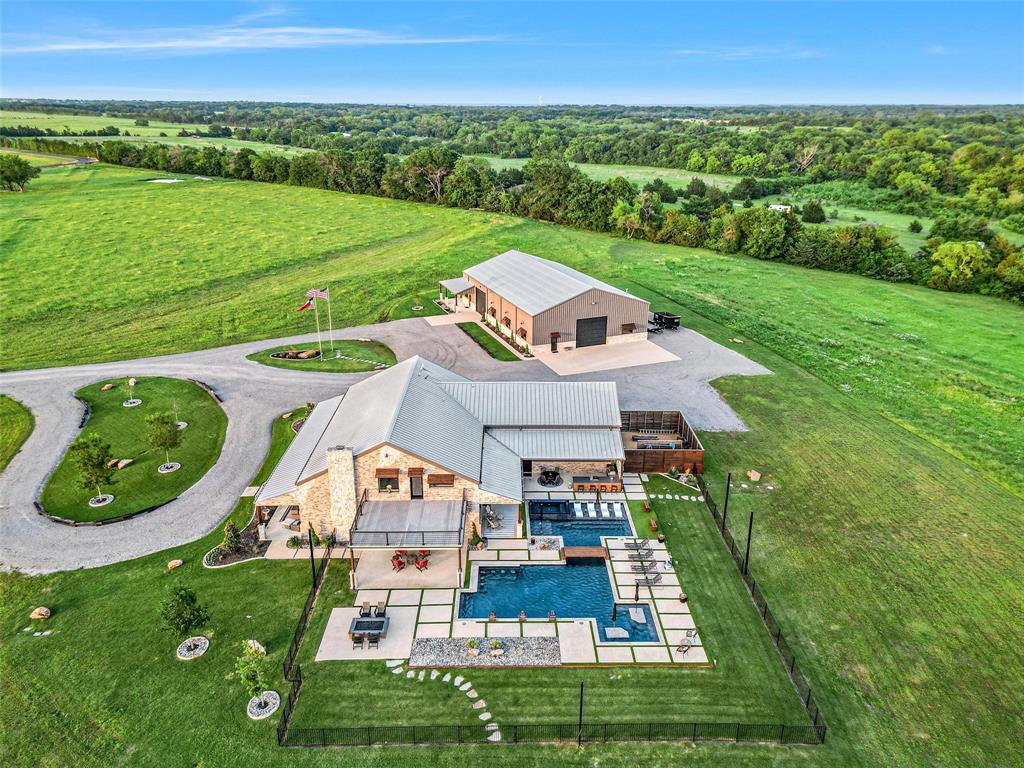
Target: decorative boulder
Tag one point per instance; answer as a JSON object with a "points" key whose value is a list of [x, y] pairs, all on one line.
{"points": [[257, 646], [754, 475], [286, 416], [124, 463], [307, 354], [112, 463], [106, 387], [174, 564], [131, 382], [42, 612]]}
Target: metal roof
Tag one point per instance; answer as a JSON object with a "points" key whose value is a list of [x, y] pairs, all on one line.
{"points": [[501, 471], [404, 406], [286, 474], [534, 284], [539, 403], [431, 412], [457, 284], [555, 444]]}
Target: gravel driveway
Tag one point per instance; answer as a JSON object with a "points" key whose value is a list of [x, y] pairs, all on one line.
{"points": [[253, 395]]}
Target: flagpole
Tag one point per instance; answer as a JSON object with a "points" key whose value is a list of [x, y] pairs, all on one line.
{"points": [[330, 322], [316, 314]]}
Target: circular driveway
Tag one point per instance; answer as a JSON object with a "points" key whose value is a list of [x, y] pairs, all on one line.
{"points": [[253, 395]]}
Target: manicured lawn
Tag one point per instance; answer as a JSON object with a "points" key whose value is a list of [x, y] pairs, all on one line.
{"points": [[363, 351], [638, 174], [16, 424], [891, 431], [139, 486], [493, 347]]}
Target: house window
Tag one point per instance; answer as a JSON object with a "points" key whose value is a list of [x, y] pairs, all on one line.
{"points": [[387, 480], [441, 481]]}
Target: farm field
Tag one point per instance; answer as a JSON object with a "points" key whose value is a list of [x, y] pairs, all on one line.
{"points": [[37, 158], [890, 430], [16, 424], [192, 141], [139, 486], [73, 123], [638, 174]]}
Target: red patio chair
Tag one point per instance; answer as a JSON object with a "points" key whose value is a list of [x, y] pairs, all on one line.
{"points": [[397, 564], [424, 553], [421, 565]]}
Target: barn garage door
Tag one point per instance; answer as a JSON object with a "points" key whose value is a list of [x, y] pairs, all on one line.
{"points": [[481, 301], [591, 331]]}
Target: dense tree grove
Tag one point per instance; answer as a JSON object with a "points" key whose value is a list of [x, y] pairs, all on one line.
{"points": [[552, 189]]}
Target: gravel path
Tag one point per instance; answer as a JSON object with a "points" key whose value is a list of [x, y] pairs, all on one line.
{"points": [[253, 395]]}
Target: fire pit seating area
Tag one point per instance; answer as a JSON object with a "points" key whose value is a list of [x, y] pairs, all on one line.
{"points": [[549, 478], [420, 559]]}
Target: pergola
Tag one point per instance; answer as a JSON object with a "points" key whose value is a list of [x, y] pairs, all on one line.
{"points": [[453, 287]]}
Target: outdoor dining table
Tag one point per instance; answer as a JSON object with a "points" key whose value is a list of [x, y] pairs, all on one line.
{"points": [[364, 626]]}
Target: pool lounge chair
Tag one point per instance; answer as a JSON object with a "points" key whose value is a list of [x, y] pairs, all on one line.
{"points": [[649, 581], [638, 544], [644, 567], [645, 554]]}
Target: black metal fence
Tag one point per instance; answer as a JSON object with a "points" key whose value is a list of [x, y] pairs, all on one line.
{"points": [[292, 670], [796, 675], [554, 733]]}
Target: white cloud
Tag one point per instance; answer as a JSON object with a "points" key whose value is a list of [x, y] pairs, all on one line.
{"points": [[748, 52], [211, 39], [938, 50]]}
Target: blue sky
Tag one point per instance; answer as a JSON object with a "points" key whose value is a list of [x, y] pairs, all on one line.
{"points": [[525, 53]]}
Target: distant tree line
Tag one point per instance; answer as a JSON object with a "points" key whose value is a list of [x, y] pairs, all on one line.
{"points": [[961, 254]]}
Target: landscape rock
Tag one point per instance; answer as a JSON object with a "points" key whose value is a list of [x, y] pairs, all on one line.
{"points": [[393, 663], [174, 564], [287, 415], [131, 382], [485, 716], [397, 671], [112, 463], [124, 463], [447, 677], [754, 475], [257, 646], [479, 704], [42, 612], [106, 387], [307, 354]]}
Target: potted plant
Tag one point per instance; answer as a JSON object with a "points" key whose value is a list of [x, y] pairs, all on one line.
{"points": [[472, 647], [474, 538], [496, 649], [673, 472]]}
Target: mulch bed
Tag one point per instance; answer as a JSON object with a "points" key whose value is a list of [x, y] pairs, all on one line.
{"points": [[251, 547]]}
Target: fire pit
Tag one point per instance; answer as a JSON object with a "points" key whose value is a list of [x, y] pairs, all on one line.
{"points": [[369, 627]]}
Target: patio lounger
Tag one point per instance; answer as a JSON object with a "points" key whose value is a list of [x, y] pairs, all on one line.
{"points": [[357, 641], [577, 509], [643, 567], [638, 544], [649, 581], [645, 555], [364, 610], [380, 611]]}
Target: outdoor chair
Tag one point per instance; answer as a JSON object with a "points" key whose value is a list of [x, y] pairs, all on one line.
{"points": [[644, 555], [421, 565], [380, 611], [357, 642], [374, 641], [397, 564], [364, 610], [638, 544], [642, 567], [424, 553], [649, 581]]}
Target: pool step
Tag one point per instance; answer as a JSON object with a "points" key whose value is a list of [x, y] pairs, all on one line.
{"points": [[585, 552]]}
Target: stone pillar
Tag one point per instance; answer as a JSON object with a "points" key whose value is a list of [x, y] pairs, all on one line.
{"points": [[342, 482]]}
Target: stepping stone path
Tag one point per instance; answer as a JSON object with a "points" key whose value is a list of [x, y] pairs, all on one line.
{"points": [[396, 667]]}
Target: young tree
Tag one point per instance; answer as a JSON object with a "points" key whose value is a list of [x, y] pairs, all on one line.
{"points": [[696, 188], [249, 669], [15, 172], [626, 217], [163, 433], [960, 266], [232, 538], [746, 187], [90, 456], [663, 190], [813, 213], [915, 226], [182, 613]]}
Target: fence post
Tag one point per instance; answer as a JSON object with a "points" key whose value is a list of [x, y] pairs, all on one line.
{"points": [[312, 562], [750, 531], [579, 733], [725, 507]]}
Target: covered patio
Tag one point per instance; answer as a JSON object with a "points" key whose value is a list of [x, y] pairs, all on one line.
{"points": [[412, 523], [455, 294], [374, 570]]}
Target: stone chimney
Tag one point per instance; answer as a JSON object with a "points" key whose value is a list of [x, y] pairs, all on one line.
{"points": [[341, 477]]}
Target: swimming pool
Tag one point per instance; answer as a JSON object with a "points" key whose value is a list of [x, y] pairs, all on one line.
{"points": [[580, 589], [556, 518]]}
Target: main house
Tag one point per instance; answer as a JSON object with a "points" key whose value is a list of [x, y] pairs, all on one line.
{"points": [[407, 457], [543, 303]]}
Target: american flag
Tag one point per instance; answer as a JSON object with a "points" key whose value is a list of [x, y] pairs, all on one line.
{"points": [[316, 293]]}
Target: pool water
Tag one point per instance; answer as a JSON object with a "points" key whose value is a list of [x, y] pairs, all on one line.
{"points": [[554, 518], [580, 589]]}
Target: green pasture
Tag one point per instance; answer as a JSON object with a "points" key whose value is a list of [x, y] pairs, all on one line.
{"points": [[638, 174]]}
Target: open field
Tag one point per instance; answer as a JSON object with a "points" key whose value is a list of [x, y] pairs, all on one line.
{"points": [[373, 351], [75, 123], [16, 424], [493, 347], [139, 486], [37, 158], [891, 431], [638, 174], [193, 141]]}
